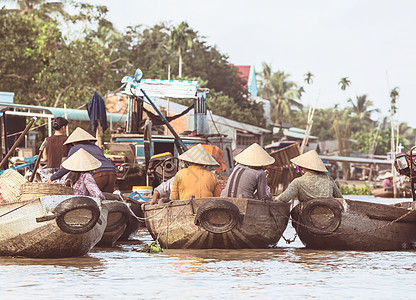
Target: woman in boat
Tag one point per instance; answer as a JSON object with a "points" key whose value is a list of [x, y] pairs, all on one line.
{"points": [[79, 177], [248, 178], [55, 149], [195, 180], [313, 184], [105, 175], [387, 180]]}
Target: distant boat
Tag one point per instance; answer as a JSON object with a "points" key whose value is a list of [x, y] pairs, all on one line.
{"points": [[51, 226], [341, 224], [387, 192], [226, 223]]}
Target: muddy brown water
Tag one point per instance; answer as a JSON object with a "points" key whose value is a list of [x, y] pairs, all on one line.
{"points": [[288, 271]]}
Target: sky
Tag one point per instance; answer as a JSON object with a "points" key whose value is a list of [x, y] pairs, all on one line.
{"points": [[371, 42]]}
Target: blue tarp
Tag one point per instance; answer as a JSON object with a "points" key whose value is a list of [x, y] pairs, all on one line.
{"points": [[96, 111]]}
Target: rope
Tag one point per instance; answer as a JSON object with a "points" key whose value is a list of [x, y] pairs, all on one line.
{"points": [[6, 213], [288, 241]]}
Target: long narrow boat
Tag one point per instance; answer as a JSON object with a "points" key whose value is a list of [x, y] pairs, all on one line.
{"points": [[230, 223], [342, 224], [387, 192], [51, 226]]}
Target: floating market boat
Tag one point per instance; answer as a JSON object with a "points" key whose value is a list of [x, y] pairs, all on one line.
{"points": [[342, 224], [51, 226], [226, 223], [387, 192], [117, 220]]}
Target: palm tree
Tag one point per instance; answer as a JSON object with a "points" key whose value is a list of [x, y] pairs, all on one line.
{"points": [[282, 93], [182, 38], [344, 82], [308, 78], [361, 108]]}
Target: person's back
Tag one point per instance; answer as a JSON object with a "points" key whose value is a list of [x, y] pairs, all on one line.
{"points": [[311, 185], [194, 181], [246, 182]]}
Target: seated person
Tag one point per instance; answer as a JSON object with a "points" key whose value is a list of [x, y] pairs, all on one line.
{"points": [[162, 192], [248, 178], [195, 180], [79, 177], [313, 184], [387, 180]]}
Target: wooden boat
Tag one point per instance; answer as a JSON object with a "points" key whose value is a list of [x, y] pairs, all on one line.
{"points": [[342, 224], [51, 226], [217, 223], [118, 215], [387, 192]]}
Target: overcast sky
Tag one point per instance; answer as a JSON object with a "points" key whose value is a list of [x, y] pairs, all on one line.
{"points": [[371, 42]]}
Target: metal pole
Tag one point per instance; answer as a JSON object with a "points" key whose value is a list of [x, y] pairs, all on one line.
{"points": [[412, 181]]}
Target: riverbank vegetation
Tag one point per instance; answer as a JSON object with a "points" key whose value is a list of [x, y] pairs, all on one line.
{"points": [[50, 57]]}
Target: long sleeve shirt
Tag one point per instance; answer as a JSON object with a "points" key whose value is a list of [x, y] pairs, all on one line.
{"points": [[92, 149], [310, 186], [247, 182], [194, 181], [85, 186]]}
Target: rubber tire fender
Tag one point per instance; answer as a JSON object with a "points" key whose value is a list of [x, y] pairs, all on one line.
{"points": [[116, 206], [332, 204], [209, 207], [77, 203]]}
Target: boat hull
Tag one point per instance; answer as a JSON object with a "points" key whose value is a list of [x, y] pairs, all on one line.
{"points": [[355, 225], [34, 228], [224, 223], [387, 192], [118, 215]]}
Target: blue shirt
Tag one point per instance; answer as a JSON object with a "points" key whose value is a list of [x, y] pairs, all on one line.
{"points": [[92, 149]]}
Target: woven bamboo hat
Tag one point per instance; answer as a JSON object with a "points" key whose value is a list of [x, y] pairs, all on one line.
{"points": [[310, 160], [254, 156], [79, 135], [198, 155], [81, 161]]}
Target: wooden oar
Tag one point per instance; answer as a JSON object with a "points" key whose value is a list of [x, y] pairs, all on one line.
{"points": [[22, 135], [41, 149]]}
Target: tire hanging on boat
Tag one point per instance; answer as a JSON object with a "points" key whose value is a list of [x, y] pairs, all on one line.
{"points": [[72, 204], [217, 216], [321, 216]]}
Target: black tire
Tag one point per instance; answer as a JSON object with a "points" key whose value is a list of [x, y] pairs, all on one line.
{"points": [[311, 210], [206, 213], [75, 203], [113, 207]]}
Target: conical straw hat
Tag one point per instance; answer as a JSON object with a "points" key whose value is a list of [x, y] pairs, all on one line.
{"points": [[310, 160], [79, 135], [198, 155], [254, 156], [387, 175], [81, 161]]}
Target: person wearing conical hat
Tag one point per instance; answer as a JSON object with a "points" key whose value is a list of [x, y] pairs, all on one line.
{"points": [[55, 148], [79, 177], [387, 180], [248, 178], [313, 184], [105, 175], [195, 180]]}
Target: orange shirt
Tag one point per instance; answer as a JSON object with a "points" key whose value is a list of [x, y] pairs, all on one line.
{"points": [[194, 181]]}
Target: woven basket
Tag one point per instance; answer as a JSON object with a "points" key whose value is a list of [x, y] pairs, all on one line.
{"points": [[32, 190], [10, 184]]}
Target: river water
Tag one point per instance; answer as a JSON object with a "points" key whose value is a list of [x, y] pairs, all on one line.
{"points": [[287, 271]]}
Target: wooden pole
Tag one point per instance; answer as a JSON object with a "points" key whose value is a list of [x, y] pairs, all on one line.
{"points": [[41, 149], [21, 137], [99, 134]]}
